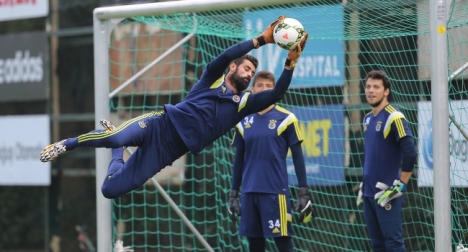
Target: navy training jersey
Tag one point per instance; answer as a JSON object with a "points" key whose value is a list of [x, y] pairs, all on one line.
{"points": [[211, 108], [266, 139], [382, 155]]}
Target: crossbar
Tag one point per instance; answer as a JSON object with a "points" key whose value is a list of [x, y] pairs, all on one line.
{"points": [[183, 6]]}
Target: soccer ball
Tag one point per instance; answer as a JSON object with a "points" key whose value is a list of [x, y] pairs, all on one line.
{"points": [[288, 33]]}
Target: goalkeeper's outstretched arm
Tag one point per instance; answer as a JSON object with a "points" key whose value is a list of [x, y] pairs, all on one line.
{"points": [[220, 63], [262, 100]]}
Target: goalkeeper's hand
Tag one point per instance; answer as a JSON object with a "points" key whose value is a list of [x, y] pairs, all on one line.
{"points": [[391, 193], [359, 197], [304, 206], [383, 187], [234, 207], [267, 36], [294, 54]]}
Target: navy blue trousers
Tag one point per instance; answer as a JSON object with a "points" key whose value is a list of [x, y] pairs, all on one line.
{"points": [[158, 144], [384, 225], [283, 244]]}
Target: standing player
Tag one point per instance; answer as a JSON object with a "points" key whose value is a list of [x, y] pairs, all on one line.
{"points": [[262, 141], [214, 105], [388, 145]]}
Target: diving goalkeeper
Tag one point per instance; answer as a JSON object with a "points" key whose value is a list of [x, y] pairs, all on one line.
{"points": [[215, 104]]}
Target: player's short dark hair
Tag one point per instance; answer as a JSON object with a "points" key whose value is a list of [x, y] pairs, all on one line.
{"points": [[264, 75], [379, 75], [248, 57]]}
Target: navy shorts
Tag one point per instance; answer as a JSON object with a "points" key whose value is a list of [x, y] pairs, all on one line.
{"points": [[265, 215]]}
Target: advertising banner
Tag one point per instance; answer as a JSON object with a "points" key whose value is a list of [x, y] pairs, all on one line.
{"points": [[458, 146], [322, 62], [24, 64], [22, 9], [323, 130], [22, 138], [122, 2]]}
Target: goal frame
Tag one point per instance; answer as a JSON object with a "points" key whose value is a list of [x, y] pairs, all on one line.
{"points": [[106, 18]]}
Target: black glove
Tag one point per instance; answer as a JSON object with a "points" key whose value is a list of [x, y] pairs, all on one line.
{"points": [[234, 207], [304, 205]]}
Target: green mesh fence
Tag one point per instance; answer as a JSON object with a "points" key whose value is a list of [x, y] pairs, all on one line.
{"points": [[347, 39]]}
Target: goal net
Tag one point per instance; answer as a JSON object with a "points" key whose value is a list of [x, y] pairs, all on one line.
{"points": [[347, 40]]}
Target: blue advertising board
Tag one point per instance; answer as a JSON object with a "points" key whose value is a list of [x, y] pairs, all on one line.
{"points": [[322, 62], [323, 130]]}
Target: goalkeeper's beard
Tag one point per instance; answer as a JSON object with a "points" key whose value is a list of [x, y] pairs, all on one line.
{"points": [[238, 82]]}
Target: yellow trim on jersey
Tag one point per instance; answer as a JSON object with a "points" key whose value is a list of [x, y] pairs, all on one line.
{"points": [[233, 137], [241, 132], [281, 109], [218, 82], [290, 119], [101, 135], [390, 109], [395, 116], [283, 209], [243, 101], [400, 127], [240, 128]]}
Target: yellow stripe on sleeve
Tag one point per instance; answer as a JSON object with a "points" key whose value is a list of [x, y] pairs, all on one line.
{"points": [[218, 82], [241, 132], [400, 127], [394, 117], [298, 132], [290, 119], [233, 138], [243, 101]]}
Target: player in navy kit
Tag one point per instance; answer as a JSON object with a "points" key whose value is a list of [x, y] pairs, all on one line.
{"points": [[214, 105], [388, 146], [262, 141]]}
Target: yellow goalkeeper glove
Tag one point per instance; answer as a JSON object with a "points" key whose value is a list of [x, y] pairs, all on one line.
{"points": [[391, 193]]}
